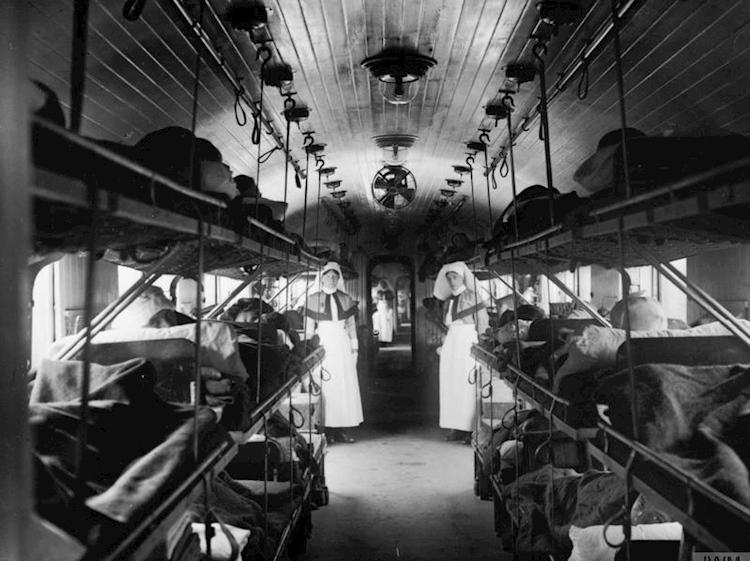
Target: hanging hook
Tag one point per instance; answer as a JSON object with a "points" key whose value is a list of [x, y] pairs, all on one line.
{"points": [[308, 140], [470, 162], [325, 376], [319, 163], [472, 378], [525, 124], [289, 102], [504, 167], [508, 101], [488, 387], [264, 54], [485, 139], [623, 510], [513, 410], [540, 50], [240, 116]]}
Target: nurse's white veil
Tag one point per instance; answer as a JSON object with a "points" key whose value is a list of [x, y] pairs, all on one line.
{"points": [[330, 266], [442, 289]]}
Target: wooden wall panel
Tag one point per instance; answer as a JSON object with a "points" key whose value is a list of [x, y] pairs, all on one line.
{"points": [[731, 288]]}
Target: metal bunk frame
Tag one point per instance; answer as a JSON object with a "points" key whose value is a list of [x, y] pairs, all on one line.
{"points": [[689, 507], [632, 226]]}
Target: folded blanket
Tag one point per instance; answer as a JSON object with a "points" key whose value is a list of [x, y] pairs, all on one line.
{"points": [[223, 547]]}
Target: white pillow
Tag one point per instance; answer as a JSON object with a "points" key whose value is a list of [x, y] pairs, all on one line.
{"points": [[589, 544], [597, 346], [221, 549]]}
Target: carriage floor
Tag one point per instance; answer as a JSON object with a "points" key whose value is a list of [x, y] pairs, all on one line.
{"points": [[401, 491]]}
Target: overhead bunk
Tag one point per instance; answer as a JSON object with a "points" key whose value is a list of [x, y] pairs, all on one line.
{"points": [[135, 232]]}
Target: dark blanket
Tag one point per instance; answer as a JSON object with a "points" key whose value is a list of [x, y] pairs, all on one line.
{"points": [[543, 508], [697, 417], [139, 448]]}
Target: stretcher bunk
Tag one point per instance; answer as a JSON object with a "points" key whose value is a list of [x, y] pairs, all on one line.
{"points": [[282, 395], [62, 212], [669, 225]]}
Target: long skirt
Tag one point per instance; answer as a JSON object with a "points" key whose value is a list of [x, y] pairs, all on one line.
{"points": [[457, 395], [382, 322], [342, 406]]}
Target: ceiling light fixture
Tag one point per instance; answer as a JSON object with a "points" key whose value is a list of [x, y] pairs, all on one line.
{"points": [[454, 183], [327, 171], [333, 185], [338, 194], [398, 69], [395, 146]]}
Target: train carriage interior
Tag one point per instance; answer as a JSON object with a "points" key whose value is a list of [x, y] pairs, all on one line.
{"points": [[368, 280]]}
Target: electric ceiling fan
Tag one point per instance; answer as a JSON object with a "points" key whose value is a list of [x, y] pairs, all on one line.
{"points": [[394, 187]]}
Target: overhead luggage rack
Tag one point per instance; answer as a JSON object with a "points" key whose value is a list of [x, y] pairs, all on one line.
{"points": [[668, 226]]}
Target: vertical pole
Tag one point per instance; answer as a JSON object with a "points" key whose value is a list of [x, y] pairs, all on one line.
{"points": [[15, 445]]}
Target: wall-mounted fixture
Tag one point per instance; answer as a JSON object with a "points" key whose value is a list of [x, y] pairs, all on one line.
{"points": [[279, 76], [447, 192], [338, 194], [394, 187], [395, 146], [327, 172], [333, 185], [461, 169], [398, 69], [246, 15], [454, 183], [559, 12]]}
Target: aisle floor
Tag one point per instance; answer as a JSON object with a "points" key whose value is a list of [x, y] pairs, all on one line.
{"points": [[400, 491]]}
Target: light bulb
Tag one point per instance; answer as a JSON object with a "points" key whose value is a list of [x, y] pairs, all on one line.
{"points": [[399, 92]]}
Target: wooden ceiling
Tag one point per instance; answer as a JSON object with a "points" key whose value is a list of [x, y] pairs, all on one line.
{"points": [[685, 66]]}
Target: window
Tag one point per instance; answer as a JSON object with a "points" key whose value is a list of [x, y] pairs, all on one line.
{"points": [[46, 320]]}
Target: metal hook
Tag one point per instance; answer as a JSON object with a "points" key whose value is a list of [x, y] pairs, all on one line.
{"points": [[308, 140], [474, 372], [264, 54], [539, 49], [525, 124], [485, 139], [292, 411], [504, 167], [239, 111], [289, 102], [487, 386], [470, 162], [623, 510], [325, 375], [319, 163], [508, 101], [513, 410]]}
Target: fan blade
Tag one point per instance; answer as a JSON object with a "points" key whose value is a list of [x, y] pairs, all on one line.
{"points": [[386, 200], [399, 175]]}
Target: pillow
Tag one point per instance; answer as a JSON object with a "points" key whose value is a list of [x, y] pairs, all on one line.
{"points": [[221, 547], [589, 544], [597, 346]]}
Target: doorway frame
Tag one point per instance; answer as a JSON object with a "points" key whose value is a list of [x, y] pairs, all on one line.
{"points": [[408, 263]]}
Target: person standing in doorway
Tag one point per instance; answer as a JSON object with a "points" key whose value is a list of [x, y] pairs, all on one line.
{"points": [[465, 314], [382, 319], [331, 314]]}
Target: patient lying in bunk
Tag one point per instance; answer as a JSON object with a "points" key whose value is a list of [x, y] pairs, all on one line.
{"points": [[125, 477]]}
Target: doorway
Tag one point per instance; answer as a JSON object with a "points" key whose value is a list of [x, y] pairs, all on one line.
{"points": [[390, 308]]}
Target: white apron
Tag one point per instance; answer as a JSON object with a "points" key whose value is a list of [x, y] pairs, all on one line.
{"points": [[457, 396], [342, 406], [382, 322]]}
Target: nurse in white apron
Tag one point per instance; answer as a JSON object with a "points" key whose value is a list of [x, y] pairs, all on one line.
{"points": [[331, 314], [465, 315]]}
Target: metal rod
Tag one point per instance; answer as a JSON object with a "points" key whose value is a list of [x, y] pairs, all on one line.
{"points": [[585, 305], [216, 310], [230, 77], [511, 286], [698, 295], [108, 314], [584, 56], [621, 97], [78, 64]]}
